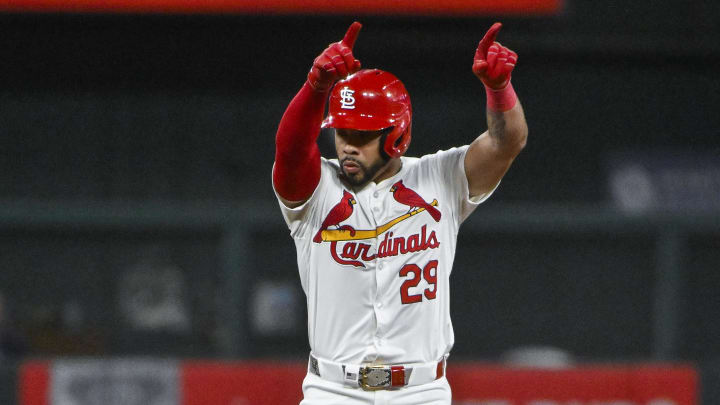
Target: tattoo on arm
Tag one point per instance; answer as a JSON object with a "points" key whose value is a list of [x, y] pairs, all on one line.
{"points": [[496, 125]]}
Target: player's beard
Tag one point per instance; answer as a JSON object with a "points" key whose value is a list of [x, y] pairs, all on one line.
{"points": [[364, 175]]}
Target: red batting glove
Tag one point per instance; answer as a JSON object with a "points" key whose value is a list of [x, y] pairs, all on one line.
{"points": [[493, 63], [335, 62]]}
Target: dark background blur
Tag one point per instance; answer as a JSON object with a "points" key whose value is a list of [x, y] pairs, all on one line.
{"points": [[137, 215]]}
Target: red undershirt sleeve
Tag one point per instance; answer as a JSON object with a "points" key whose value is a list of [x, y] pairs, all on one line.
{"points": [[296, 172]]}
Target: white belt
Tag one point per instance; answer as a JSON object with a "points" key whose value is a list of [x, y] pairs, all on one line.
{"points": [[372, 377]]}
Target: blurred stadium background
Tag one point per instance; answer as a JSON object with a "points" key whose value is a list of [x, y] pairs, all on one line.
{"points": [[142, 251]]}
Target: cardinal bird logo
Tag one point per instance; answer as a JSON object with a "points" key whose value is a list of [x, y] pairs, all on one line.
{"points": [[340, 212], [406, 196]]}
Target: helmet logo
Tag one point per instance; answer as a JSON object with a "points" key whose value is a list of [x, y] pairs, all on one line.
{"points": [[347, 101]]}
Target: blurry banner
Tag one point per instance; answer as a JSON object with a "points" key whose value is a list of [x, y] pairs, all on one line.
{"points": [[611, 385], [246, 383], [674, 181], [355, 7], [34, 383], [114, 382], [223, 384], [111, 382]]}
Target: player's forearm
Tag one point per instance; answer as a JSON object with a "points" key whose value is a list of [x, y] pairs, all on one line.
{"points": [[297, 157], [493, 65], [508, 129]]}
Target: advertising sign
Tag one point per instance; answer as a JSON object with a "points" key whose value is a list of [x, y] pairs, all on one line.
{"points": [[114, 382]]}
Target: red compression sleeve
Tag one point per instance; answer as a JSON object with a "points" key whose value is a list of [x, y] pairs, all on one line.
{"points": [[297, 157]]}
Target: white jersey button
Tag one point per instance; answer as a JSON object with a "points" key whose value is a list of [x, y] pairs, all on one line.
{"points": [[375, 194]]}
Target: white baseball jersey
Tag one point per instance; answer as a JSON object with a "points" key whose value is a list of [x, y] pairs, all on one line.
{"points": [[375, 261]]}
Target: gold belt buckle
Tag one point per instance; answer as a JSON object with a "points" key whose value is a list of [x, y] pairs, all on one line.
{"points": [[374, 378]]}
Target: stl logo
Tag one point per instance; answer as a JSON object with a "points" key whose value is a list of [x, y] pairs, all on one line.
{"points": [[347, 101]]}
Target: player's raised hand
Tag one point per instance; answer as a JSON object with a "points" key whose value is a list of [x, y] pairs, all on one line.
{"points": [[336, 61], [493, 63]]}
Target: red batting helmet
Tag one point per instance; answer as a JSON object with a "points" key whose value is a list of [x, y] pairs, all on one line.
{"points": [[371, 100]]}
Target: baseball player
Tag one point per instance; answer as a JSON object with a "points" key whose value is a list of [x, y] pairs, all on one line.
{"points": [[375, 231]]}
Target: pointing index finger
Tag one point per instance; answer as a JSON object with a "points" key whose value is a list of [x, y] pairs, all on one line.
{"points": [[489, 38], [351, 35]]}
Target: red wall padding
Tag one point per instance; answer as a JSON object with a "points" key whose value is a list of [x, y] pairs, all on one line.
{"points": [[274, 383]]}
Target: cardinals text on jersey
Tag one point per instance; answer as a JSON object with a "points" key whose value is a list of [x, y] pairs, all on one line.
{"points": [[355, 253]]}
